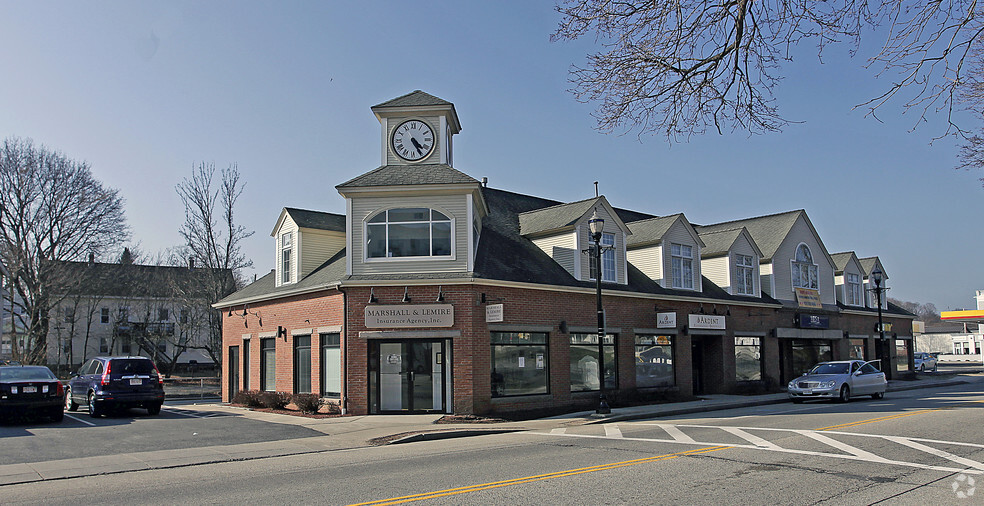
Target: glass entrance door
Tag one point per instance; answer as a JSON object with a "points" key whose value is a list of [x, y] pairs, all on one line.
{"points": [[409, 376]]}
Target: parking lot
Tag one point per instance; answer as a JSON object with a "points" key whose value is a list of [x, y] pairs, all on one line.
{"points": [[179, 425]]}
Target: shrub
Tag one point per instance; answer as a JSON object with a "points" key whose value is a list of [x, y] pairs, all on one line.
{"points": [[307, 403], [274, 400], [248, 398]]}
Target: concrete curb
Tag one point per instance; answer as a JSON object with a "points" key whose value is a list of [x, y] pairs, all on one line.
{"points": [[451, 434]]}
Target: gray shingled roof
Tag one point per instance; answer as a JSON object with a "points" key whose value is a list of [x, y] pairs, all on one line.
{"points": [[651, 231], [317, 219], [415, 98], [718, 243], [327, 274], [841, 260], [768, 232], [556, 217], [867, 264], [412, 174], [133, 280]]}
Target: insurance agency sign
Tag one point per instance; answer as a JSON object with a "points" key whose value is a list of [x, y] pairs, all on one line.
{"points": [[400, 316]]}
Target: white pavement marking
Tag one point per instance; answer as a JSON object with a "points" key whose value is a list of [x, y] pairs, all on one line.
{"points": [[676, 433], [560, 430], [751, 438], [183, 413], [857, 452], [90, 424], [935, 451], [612, 431]]}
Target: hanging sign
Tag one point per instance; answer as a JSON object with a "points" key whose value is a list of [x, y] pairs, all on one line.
{"points": [[808, 298], [493, 313], [812, 321], [666, 320], [409, 316]]}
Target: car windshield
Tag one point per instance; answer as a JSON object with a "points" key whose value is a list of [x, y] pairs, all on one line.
{"points": [[128, 366], [25, 374], [830, 369]]}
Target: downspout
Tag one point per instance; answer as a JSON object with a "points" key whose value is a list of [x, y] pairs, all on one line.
{"points": [[344, 393]]}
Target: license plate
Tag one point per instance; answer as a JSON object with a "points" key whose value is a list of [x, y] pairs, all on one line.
{"points": [[807, 392], [136, 381], [30, 390]]}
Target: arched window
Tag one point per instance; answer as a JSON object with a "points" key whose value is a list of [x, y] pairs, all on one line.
{"points": [[804, 271], [409, 232]]}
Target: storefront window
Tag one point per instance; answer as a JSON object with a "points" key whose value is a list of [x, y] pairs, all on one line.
{"points": [[268, 364], [857, 349], [584, 362], [808, 353], [302, 364], [902, 355], [748, 358], [519, 363], [331, 365], [654, 361]]}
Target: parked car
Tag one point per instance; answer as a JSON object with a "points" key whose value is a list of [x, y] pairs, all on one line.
{"points": [[105, 384], [839, 380], [924, 361], [30, 390]]}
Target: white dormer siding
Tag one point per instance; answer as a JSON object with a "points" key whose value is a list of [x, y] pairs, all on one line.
{"points": [[612, 230], [315, 247], [849, 280], [680, 244], [649, 260], [801, 233], [725, 270], [563, 249], [287, 229]]}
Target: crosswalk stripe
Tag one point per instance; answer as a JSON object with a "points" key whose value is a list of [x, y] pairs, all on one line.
{"points": [[857, 452], [612, 431], [676, 433], [935, 451], [751, 438]]}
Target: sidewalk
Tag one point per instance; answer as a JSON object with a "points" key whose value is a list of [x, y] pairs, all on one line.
{"points": [[357, 432]]}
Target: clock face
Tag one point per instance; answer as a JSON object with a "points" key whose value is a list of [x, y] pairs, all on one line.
{"points": [[413, 140]]}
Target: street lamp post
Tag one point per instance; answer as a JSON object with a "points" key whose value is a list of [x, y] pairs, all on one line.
{"points": [[596, 225], [878, 276]]}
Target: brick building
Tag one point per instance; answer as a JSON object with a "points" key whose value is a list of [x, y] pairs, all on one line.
{"points": [[436, 293]]}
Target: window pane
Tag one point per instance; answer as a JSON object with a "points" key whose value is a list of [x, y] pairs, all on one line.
{"points": [[442, 239], [519, 338], [438, 216], [519, 370], [302, 364], [379, 218], [584, 368], [748, 359], [410, 214], [409, 240], [654, 362], [376, 241], [268, 364]]}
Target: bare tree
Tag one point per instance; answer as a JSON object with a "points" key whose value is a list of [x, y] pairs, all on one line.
{"points": [[679, 67], [213, 239], [51, 209], [926, 312]]}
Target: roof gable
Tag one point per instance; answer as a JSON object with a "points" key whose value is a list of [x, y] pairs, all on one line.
{"points": [[868, 264], [317, 220], [843, 260], [410, 175], [563, 217], [415, 98], [651, 231], [721, 243]]}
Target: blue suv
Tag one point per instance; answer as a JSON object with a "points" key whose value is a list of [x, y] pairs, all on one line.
{"points": [[107, 383]]}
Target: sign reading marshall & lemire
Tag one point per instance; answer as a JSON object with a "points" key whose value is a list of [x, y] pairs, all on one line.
{"points": [[409, 316], [707, 322]]}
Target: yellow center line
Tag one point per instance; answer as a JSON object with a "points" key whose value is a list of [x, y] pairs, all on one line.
{"points": [[899, 415], [529, 479]]}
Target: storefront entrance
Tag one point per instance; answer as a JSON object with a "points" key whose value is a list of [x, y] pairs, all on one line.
{"points": [[409, 376]]}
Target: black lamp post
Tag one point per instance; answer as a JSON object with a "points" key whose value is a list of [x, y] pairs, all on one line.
{"points": [[878, 276], [596, 225]]}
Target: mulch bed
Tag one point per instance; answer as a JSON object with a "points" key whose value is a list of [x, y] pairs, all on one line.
{"points": [[468, 419], [291, 412]]}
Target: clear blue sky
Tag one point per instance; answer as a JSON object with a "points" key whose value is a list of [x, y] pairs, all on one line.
{"points": [[144, 91]]}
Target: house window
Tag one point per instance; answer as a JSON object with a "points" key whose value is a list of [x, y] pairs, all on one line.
{"points": [[124, 314], [246, 364], [104, 315], [268, 364], [184, 316], [302, 364], [103, 345], [331, 365], [125, 345], [519, 363], [286, 250], [162, 314], [853, 289], [410, 232], [608, 272], [68, 314], [804, 270], [654, 361], [682, 264], [748, 358], [744, 275], [584, 362]]}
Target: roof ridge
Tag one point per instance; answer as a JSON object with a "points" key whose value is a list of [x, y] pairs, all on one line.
{"points": [[755, 218], [562, 204]]}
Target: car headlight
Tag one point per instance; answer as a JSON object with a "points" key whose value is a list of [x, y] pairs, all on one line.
{"points": [[791, 385], [827, 384]]}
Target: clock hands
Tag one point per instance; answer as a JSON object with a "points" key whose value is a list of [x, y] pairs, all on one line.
{"points": [[420, 149]]}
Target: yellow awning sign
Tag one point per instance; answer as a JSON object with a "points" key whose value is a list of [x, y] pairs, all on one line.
{"points": [[808, 298], [970, 314]]}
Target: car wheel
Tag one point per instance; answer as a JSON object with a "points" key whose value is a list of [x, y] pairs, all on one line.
{"points": [[935, 366], [845, 395], [94, 410], [922, 367], [154, 409], [70, 404], [878, 395], [57, 414]]}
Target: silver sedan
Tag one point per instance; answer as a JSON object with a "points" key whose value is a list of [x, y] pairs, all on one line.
{"points": [[839, 380]]}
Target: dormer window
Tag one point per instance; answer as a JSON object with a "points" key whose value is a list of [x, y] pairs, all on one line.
{"points": [[286, 256], [608, 272], [682, 264], [853, 289], [744, 275], [409, 232], [804, 271]]}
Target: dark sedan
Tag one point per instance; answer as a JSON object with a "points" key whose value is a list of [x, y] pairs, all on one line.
{"points": [[30, 389]]}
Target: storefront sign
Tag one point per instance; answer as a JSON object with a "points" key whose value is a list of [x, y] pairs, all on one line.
{"points": [[707, 322], [493, 313], [407, 316], [812, 321], [666, 320], [808, 298]]}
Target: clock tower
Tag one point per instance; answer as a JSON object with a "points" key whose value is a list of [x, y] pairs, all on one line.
{"points": [[417, 129]]}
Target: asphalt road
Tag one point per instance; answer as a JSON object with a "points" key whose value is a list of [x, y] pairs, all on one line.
{"points": [[914, 447]]}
